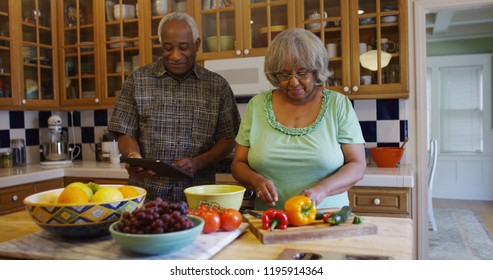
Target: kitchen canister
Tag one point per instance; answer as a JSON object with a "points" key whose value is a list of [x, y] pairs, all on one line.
{"points": [[332, 50], [18, 150], [206, 4]]}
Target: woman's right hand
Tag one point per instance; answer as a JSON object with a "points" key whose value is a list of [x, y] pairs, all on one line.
{"points": [[266, 191]]}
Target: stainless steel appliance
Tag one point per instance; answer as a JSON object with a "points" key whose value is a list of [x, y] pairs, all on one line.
{"points": [[55, 148]]}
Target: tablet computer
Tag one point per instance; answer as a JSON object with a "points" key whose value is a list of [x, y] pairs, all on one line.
{"points": [[160, 167]]}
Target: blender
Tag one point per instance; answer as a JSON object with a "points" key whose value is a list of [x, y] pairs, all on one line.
{"points": [[55, 148]]}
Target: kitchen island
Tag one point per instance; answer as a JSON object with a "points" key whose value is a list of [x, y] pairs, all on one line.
{"points": [[394, 240]]}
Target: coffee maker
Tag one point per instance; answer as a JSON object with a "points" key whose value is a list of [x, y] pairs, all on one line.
{"points": [[55, 148]]}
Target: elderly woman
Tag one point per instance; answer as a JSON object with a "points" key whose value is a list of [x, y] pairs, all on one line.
{"points": [[299, 139]]}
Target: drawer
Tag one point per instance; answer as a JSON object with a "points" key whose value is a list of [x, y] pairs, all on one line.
{"points": [[381, 201], [11, 199], [48, 185]]}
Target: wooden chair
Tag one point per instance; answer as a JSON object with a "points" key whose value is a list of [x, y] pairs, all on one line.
{"points": [[432, 160]]}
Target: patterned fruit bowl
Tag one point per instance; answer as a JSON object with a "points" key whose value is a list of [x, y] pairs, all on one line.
{"points": [[90, 219]]}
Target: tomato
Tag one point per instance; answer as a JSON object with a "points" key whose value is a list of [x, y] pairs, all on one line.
{"points": [[230, 219], [212, 221]]}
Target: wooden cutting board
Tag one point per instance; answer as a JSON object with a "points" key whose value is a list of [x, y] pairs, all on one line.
{"points": [[45, 246], [317, 230]]}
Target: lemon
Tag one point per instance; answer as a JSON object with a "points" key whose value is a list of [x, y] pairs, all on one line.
{"points": [[107, 194], [73, 195], [50, 198]]}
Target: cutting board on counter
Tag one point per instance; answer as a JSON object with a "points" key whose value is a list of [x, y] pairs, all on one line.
{"points": [[317, 230], [44, 245]]}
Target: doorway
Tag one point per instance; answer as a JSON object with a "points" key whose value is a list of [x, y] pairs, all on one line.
{"points": [[421, 9]]}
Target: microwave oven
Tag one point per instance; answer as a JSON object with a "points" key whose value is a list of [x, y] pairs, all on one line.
{"points": [[245, 75]]}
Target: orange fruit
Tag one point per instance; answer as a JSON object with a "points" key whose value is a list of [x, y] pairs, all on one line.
{"points": [[128, 191], [72, 195], [83, 187]]}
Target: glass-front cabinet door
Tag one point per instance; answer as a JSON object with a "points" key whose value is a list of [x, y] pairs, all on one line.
{"points": [[366, 44], [240, 28], [379, 44], [121, 44], [5, 55], [330, 22], [217, 21], [262, 21], [79, 77], [39, 53]]}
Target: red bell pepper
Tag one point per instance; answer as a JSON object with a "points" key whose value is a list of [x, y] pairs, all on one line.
{"points": [[274, 219]]}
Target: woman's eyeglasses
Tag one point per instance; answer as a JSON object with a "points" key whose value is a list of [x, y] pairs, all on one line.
{"points": [[286, 77]]}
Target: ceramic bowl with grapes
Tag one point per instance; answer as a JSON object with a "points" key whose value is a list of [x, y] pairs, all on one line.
{"points": [[158, 244]]}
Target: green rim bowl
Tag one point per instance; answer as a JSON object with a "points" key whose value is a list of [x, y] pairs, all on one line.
{"points": [[158, 244], [226, 43], [227, 196]]}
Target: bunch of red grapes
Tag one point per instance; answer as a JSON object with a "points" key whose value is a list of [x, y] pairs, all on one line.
{"points": [[156, 216]]}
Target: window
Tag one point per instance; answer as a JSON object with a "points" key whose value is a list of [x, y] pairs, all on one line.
{"points": [[461, 109], [459, 98]]}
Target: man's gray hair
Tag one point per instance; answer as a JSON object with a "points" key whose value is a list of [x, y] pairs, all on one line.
{"points": [[179, 16]]}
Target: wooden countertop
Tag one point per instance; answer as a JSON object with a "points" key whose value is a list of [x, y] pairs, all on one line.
{"points": [[394, 239]]}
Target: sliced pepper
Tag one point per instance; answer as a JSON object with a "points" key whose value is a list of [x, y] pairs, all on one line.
{"points": [[274, 219], [300, 210], [326, 216], [357, 220]]}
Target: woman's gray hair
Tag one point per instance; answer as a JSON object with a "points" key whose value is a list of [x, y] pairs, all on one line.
{"points": [[179, 16], [298, 47]]}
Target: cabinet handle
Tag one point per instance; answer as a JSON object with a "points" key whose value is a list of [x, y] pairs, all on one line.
{"points": [[23, 101], [15, 198], [238, 52], [376, 201], [345, 89], [96, 100], [246, 51], [355, 88]]}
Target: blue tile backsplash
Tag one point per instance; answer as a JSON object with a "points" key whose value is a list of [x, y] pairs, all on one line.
{"points": [[383, 122], [388, 109]]}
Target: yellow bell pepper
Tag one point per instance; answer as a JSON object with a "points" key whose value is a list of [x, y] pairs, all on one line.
{"points": [[300, 210]]}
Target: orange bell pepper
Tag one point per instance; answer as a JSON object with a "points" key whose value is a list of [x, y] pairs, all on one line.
{"points": [[300, 210]]}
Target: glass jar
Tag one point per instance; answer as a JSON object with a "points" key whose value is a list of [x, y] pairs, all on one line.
{"points": [[6, 160], [18, 150]]}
